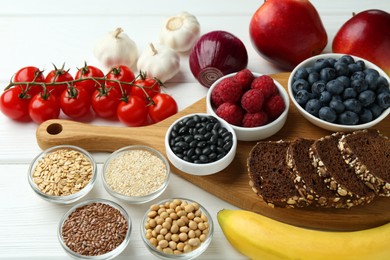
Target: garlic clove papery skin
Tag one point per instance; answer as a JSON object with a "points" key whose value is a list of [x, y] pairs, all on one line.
{"points": [[180, 32], [116, 48], [159, 61]]}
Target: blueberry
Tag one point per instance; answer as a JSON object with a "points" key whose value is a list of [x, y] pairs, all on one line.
{"points": [[366, 97], [382, 85], [375, 110], [383, 100], [345, 80], [349, 93], [325, 97], [359, 85], [361, 64], [358, 75], [347, 59], [337, 97], [353, 68], [321, 64], [337, 105], [301, 73], [348, 118], [318, 87], [327, 74], [331, 61], [341, 68], [302, 97], [353, 105], [335, 87], [327, 114], [371, 78], [313, 77], [313, 106], [300, 84], [365, 116]]}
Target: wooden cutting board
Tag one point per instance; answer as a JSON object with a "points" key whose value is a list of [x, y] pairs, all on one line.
{"points": [[231, 184]]}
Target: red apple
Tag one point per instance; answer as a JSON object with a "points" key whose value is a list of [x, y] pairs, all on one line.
{"points": [[367, 35], [286, 32]]}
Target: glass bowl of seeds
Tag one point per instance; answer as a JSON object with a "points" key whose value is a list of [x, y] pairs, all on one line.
{"points": [[200, 144], [177, 228], [136, 174], [95, 229], [62, 174]]}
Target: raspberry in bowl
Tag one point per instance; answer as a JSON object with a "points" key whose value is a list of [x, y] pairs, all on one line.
{"points": [[340, 92], [255, 105]]}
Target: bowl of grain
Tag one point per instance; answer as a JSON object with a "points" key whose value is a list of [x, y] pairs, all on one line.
{"points": [[62, 174], [136, 174], [95, 229], [177, 228]]}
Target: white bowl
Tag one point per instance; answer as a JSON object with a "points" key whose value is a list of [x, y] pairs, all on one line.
{"points": [[201, 168], [254, 133], [322, 123]]}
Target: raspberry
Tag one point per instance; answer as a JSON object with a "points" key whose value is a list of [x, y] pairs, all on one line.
{"points": [[231, 113], [215, 96], [229, 90], [252, 101], [274, 106], [244, 78], [256, 119], [265, 84]]}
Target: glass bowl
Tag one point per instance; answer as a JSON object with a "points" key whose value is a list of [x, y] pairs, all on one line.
{"points": [[136, 174], [95, 208], [62, 174], [159, 229]]}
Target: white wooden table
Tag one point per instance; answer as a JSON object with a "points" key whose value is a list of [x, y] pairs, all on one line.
{"points": [[43, 32]]}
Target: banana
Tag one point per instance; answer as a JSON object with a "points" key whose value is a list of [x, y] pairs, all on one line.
{"points": [[259, 237]]}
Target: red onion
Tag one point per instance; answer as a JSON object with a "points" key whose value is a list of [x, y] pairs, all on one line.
{"points": [[216, 54]]}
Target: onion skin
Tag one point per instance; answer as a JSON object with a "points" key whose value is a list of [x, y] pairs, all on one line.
{"points": [[216, 54]]}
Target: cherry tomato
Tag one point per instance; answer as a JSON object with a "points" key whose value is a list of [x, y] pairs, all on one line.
{"points": [[121, 73], [105, 102], [75, 103], [89, 85], [133, 111], [30, 74], [163, 106], [58, 75], [14, 104], [148, 85], [43, 107]]}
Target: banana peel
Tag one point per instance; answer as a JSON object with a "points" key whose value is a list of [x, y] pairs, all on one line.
{"points": [[259, 237]]}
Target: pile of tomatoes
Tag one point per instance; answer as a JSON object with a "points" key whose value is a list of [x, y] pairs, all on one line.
{"points": [[134, 100]]}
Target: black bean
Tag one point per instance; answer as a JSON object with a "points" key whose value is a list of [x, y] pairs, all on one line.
{"points": [[200, 139], [206, 150], [194, 143]]}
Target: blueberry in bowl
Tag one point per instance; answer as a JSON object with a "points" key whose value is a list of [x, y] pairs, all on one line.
{"points": [[340, 92]]}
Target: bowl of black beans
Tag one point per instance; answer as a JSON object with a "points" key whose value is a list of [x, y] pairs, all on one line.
{"points": [[340, 92], [200, 144]]}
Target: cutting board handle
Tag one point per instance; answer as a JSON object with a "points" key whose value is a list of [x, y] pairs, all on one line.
{"points": [[91, 137]]}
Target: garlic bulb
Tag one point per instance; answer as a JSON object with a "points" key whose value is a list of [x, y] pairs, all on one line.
{"points": [[159, 61], [180, 32], [116, 48]]}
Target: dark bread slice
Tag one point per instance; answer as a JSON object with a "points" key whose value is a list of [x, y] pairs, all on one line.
{"points": [[368, 152], [306, 179], [336, 173], [270, 177]]}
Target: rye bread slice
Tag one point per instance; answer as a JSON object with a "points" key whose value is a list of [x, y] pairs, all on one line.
{"points": [[368, 152], [336, 173], [306, 179], [270, 177]]}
